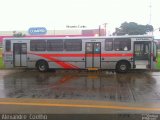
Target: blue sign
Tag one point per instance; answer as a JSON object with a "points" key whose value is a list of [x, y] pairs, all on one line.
{"points": [[37, 31]]}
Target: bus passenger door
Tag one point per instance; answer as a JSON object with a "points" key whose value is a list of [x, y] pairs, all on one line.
{"points": [[93, 55], [20, 54], [142, 54]]}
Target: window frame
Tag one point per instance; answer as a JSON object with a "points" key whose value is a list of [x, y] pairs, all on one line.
{"points": [[8, 47], [51, 40], [66, 46], [110, 40], [38, 41], [121, 41]]}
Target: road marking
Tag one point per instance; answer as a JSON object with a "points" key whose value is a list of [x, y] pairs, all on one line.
{"points": [[82, 106]]}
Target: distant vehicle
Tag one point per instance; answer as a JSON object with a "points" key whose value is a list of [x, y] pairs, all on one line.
{"points": [[119, 53]]}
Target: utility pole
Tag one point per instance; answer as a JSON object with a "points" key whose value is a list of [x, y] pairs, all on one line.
{"points": [[104, 32], [105, 25], [99, 30], [150, 13]]}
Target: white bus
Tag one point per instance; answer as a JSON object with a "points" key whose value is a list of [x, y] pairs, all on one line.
{"points": [[119, 53]]}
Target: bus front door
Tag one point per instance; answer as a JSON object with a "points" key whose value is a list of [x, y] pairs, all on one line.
{"points": [[93, 55], [142, 54], [20, 54]]}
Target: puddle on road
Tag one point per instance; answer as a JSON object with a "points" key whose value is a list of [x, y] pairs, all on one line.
{"points": [[81, 85]]}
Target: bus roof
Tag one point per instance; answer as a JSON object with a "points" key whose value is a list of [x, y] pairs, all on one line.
{"points": [[93, 37]]}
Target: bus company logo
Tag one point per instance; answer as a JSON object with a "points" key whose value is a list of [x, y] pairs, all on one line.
{"points": [[37, 31]]}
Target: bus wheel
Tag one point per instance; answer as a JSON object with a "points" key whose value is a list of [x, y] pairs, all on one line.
{"points": [[122, 67], [42, 66]]}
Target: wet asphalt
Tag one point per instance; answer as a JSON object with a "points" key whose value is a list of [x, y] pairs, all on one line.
{"points": [[106, 86], [137, 89]]}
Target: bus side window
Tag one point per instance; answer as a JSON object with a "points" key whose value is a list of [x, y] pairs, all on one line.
{"points": [[37, 45], [8, 46], [125, 48], [109, 44], [55, 45], [73, 45], [122, 44]]}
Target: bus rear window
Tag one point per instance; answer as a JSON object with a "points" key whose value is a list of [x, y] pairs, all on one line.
{"points": [[8, 45]]}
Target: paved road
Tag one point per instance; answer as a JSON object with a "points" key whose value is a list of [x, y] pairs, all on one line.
{"points": [[79, 92]]}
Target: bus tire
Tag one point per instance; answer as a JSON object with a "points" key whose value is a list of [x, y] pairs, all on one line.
{"points": [[122, 67], [42, 66]]}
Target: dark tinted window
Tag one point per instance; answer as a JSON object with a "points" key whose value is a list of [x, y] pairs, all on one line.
{"points": [[97, 48], [73, 45], [38, 45], [122, 44], [17, 48], [8, 45], [109, 44], [55, 45], [24, 48], [89, 47]]}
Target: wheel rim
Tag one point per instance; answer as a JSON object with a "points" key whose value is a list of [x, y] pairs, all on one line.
{"points": [[123, 67], [42, 67]]}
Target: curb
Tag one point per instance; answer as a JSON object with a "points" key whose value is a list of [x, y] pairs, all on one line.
{"points": [[155, 70]]}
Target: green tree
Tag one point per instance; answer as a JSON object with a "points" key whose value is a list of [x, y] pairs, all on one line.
{"points": [[133, 28], [19, 34]]}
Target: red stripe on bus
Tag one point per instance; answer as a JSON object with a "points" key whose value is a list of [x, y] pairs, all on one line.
{"points": [[117, 55], [91, 55], [62, 64], [70, 66]]}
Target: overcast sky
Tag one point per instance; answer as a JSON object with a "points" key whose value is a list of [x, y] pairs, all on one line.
{"points": [[56, 14]]}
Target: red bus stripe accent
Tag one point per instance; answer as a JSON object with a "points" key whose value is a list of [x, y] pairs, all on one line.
{"points": [[62, 64], [117, 55], [70, 66]]}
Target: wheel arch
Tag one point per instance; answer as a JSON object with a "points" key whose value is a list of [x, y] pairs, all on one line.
{"points": [[123, 60], [40, 60], [125, 63]]}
